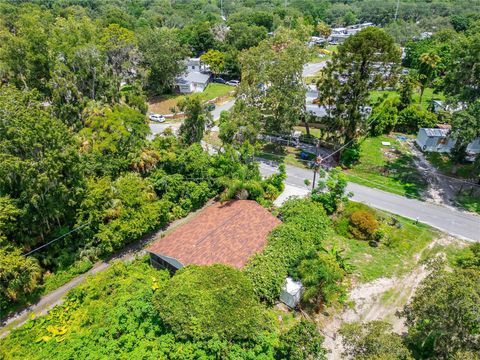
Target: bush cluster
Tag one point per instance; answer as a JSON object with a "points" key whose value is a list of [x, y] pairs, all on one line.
{"points": [[305, 226], [363, 225]]}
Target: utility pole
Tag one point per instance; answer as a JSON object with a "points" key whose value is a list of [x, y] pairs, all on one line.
{"points": [[318, 161]]}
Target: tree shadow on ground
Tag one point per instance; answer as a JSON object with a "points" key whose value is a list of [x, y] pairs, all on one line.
{"points": [[403, 170]]}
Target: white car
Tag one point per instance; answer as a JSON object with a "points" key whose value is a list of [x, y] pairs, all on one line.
{"points": [[156, 117], [233, 82]]}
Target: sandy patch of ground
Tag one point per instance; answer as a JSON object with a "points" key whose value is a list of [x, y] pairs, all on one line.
{"points": [[377, 300]]}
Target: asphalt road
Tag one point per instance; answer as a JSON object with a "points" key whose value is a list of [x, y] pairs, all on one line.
{"points": [[311, 69], [454, 222]]}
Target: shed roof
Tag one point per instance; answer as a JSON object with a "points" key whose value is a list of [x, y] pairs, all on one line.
{"points": [[228, 233], [436, 132]]}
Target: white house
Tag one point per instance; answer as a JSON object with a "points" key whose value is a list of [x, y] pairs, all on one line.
{"points": [[340, 34], [195, 78], [193, 82]]}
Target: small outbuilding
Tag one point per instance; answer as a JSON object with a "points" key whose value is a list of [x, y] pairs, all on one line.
{"points": [[223, 233], [435, 140], [291, 293]]}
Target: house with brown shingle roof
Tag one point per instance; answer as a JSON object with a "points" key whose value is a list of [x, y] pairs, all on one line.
{"points": [[223, 233]]}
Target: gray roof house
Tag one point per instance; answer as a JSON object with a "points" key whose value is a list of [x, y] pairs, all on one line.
{"points": [[195, 78], [192, 82]]}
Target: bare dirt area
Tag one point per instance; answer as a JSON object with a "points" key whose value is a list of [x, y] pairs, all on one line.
{"points": [[377, 300], [162, 105], [440, 190]]}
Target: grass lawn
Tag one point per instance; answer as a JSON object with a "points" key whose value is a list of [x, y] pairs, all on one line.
{"points": [[396, 253], [428, 95], [313, 131], [443, 163], [286, 154], [388, 168], [164, 104], [212, 138]]}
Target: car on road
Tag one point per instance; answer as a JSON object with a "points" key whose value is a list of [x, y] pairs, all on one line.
{"points": [[218, 80], [233, 83], [157, 118], [210, 107]]}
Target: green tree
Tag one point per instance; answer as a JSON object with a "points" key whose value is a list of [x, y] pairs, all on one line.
{"points": [[322, 275], [373, 340], [197, 119], [243, 36], [443, 315], [427, 71], [205, 302], [413, 118], [271, 80], [24, 59], [122, 55], [111, 137], [323, 29], [366, 61], [384, 117], [115, 213], [301, 342], [330, 192], [39, 166], [19, 276], [463, 75], [162, 56], [465, 128], [215, 59]]}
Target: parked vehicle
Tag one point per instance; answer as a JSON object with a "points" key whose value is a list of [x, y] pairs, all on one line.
{"points": [[233, 82], [157, 118], [210, 107], [218, 80]]}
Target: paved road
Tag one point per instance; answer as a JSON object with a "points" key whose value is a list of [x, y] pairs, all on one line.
{"points": [[223, 107], [449, 220], [312, 68]]}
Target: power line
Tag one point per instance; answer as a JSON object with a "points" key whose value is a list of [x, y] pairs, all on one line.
{"points": [[56, 239]]}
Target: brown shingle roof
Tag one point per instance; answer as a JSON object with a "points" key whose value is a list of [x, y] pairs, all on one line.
{"points": [[227, 233]]}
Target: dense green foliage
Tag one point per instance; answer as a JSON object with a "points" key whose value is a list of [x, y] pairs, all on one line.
{"points": [[201, 303], [123, 313], [373, 340], [305, 225], [366, 61], [443, 315], [331, 190]]}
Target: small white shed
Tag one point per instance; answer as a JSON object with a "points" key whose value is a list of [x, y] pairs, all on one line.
{"points": [[291, 292]]}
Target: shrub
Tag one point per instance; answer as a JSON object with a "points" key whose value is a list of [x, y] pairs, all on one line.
{"points": [[305, 226], [322, 277], [301, 341], [413, 118], [206, 302], [19, 276], [363, 225]]}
